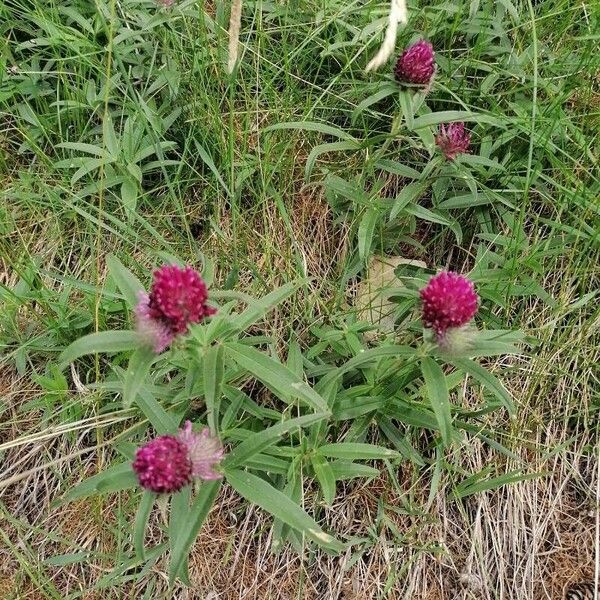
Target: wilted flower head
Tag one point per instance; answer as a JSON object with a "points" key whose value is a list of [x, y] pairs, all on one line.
{"points": [[416, 64], [169, 462], [449, 301], [205, 451], [453, 140], [154, 332], [166, 3], [177, 299]]}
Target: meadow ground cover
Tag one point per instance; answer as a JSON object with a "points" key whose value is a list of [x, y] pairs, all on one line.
{"points": [[193, 404]]}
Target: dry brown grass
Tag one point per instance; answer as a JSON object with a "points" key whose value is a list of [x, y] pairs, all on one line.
{"points": [[526, 541]]}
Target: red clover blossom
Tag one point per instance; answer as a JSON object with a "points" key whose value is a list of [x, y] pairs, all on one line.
{"points": [[177, 299], [449, 302], [169, 462], [416, 64], [453, 140]]}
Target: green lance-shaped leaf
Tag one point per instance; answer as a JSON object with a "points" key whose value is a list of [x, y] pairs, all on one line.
{"points": [[275, 376], [257, 442], [261, 493], [114, 479], [141, 520], [437, 391], [187, 535], [97, 343], [129, 285], [213, 382], [356, 451]]}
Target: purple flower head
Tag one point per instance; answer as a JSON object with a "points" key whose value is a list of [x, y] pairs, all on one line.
{"points": [[163, 465], [453, 140], [177, 299], [449, 300], [416, 64], [169, 462]]}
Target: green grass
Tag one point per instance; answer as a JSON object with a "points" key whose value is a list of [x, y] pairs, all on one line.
{"points": [[122, 133]]}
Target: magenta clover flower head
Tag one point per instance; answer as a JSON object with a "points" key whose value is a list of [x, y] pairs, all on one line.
{"points": [[168, 463], [453, 140], [449, 301], [177, 299], [416, 64]]}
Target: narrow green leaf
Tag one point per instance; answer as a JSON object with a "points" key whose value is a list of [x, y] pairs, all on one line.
{"points": [[261, 493], [445, 116], [178, 517], [295, 361], [230, 414], [470, 487], [129, 194], [128, 284], [186, 536], [160, 419], [351, 408], [61, 560], [210, 163], [412, 414], [268, 464], [103, 341], [366, 230], [436, 479], [465, 201], [141, 519], [325, 477], [311, 126], [437, 391], [410, 193], [86, 148], [387, 89], [180, 509], [87, 166], [115, 478], [362, 359], [275, 376], [356, 451], [427, 215], [213, 381], [393, 434], [293, 490], [487, 380], [257, 442], [322, 149], [137, 371], [111, 143], [259, 308], [406, 106], [344, 469], [397, 168]]}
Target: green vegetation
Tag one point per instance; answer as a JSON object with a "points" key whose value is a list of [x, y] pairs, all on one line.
{"points": [[126, 145]]}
